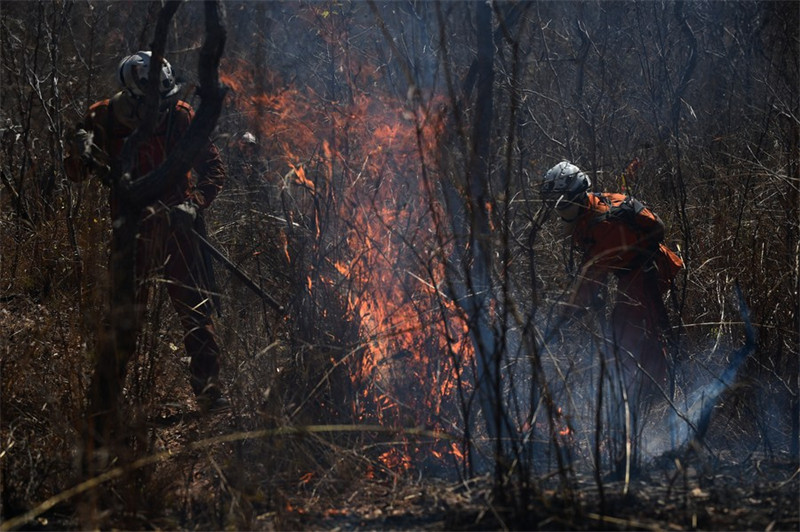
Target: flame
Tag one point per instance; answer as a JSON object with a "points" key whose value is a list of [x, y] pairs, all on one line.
{"points": [[300, 177], [456, 451], [365, 159], [285, 245], [395, 460], [565, 430], [294, 509]]}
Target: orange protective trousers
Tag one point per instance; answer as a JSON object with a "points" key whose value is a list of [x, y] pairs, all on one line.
{"points": [[177, 259]]}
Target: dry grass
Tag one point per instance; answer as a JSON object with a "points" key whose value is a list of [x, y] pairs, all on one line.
{"points": [[335, 208]]}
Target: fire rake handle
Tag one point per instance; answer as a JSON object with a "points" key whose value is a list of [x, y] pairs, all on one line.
{"points": [[217, 254]]}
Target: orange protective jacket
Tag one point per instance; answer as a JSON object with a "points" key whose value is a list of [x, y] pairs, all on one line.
{"points": [[611, 243], [110, 135]]}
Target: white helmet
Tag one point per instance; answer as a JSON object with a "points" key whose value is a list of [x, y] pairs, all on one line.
{"points": [[134, 70], [564, 181]]}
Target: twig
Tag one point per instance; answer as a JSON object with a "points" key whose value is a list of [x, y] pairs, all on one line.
{"points": [[206, 444], [626, 523]]}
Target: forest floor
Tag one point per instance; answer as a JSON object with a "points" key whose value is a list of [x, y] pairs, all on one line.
{"points": [[675, 493], [762, 496], [333, 482]]}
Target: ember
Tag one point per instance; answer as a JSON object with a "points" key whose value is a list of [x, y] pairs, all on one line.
{"points": [[387, 183]]}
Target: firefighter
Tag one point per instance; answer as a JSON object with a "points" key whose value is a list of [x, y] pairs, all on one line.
{"points": [[617, 235], [165, 244]]}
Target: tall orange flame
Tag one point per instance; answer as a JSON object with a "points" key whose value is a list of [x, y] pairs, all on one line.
{"points": [[365, 156]]}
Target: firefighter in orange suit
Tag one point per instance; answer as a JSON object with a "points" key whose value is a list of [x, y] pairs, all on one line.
{"points": [[618, 235], [165, 243]]}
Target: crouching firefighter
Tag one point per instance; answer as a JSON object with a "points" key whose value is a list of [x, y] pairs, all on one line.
{"points": [[165, 243], [617, 235]]}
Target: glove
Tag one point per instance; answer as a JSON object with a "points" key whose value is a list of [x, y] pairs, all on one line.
{"points": [[182, 216], [83, 147]]}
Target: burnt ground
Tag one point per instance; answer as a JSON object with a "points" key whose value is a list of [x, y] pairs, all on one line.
{"points": [[742, 480], [758, 495], [696, 491]]}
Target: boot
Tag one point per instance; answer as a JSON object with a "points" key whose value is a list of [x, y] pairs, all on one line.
{"points": [[211, 400]]}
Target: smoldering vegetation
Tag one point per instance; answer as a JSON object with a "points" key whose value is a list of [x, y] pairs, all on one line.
{"points": [[383, 163]]}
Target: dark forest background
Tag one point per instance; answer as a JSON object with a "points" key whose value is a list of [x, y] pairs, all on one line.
{"points": [[390, 203]]}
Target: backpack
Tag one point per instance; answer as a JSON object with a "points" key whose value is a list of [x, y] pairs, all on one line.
{"points": [[634, 213]]}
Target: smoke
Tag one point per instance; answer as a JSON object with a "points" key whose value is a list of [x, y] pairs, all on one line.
{"points": [[703, 400], [601, 413]]}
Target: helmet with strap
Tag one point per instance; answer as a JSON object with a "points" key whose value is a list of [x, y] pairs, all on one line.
{"points": [[564, 182], [133, 72]]}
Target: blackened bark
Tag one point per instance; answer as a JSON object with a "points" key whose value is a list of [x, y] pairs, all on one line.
{"points": [[479, 277]]}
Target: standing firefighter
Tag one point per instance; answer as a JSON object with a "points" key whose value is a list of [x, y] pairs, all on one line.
{"points": [[618, 235], [165, 242]]}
